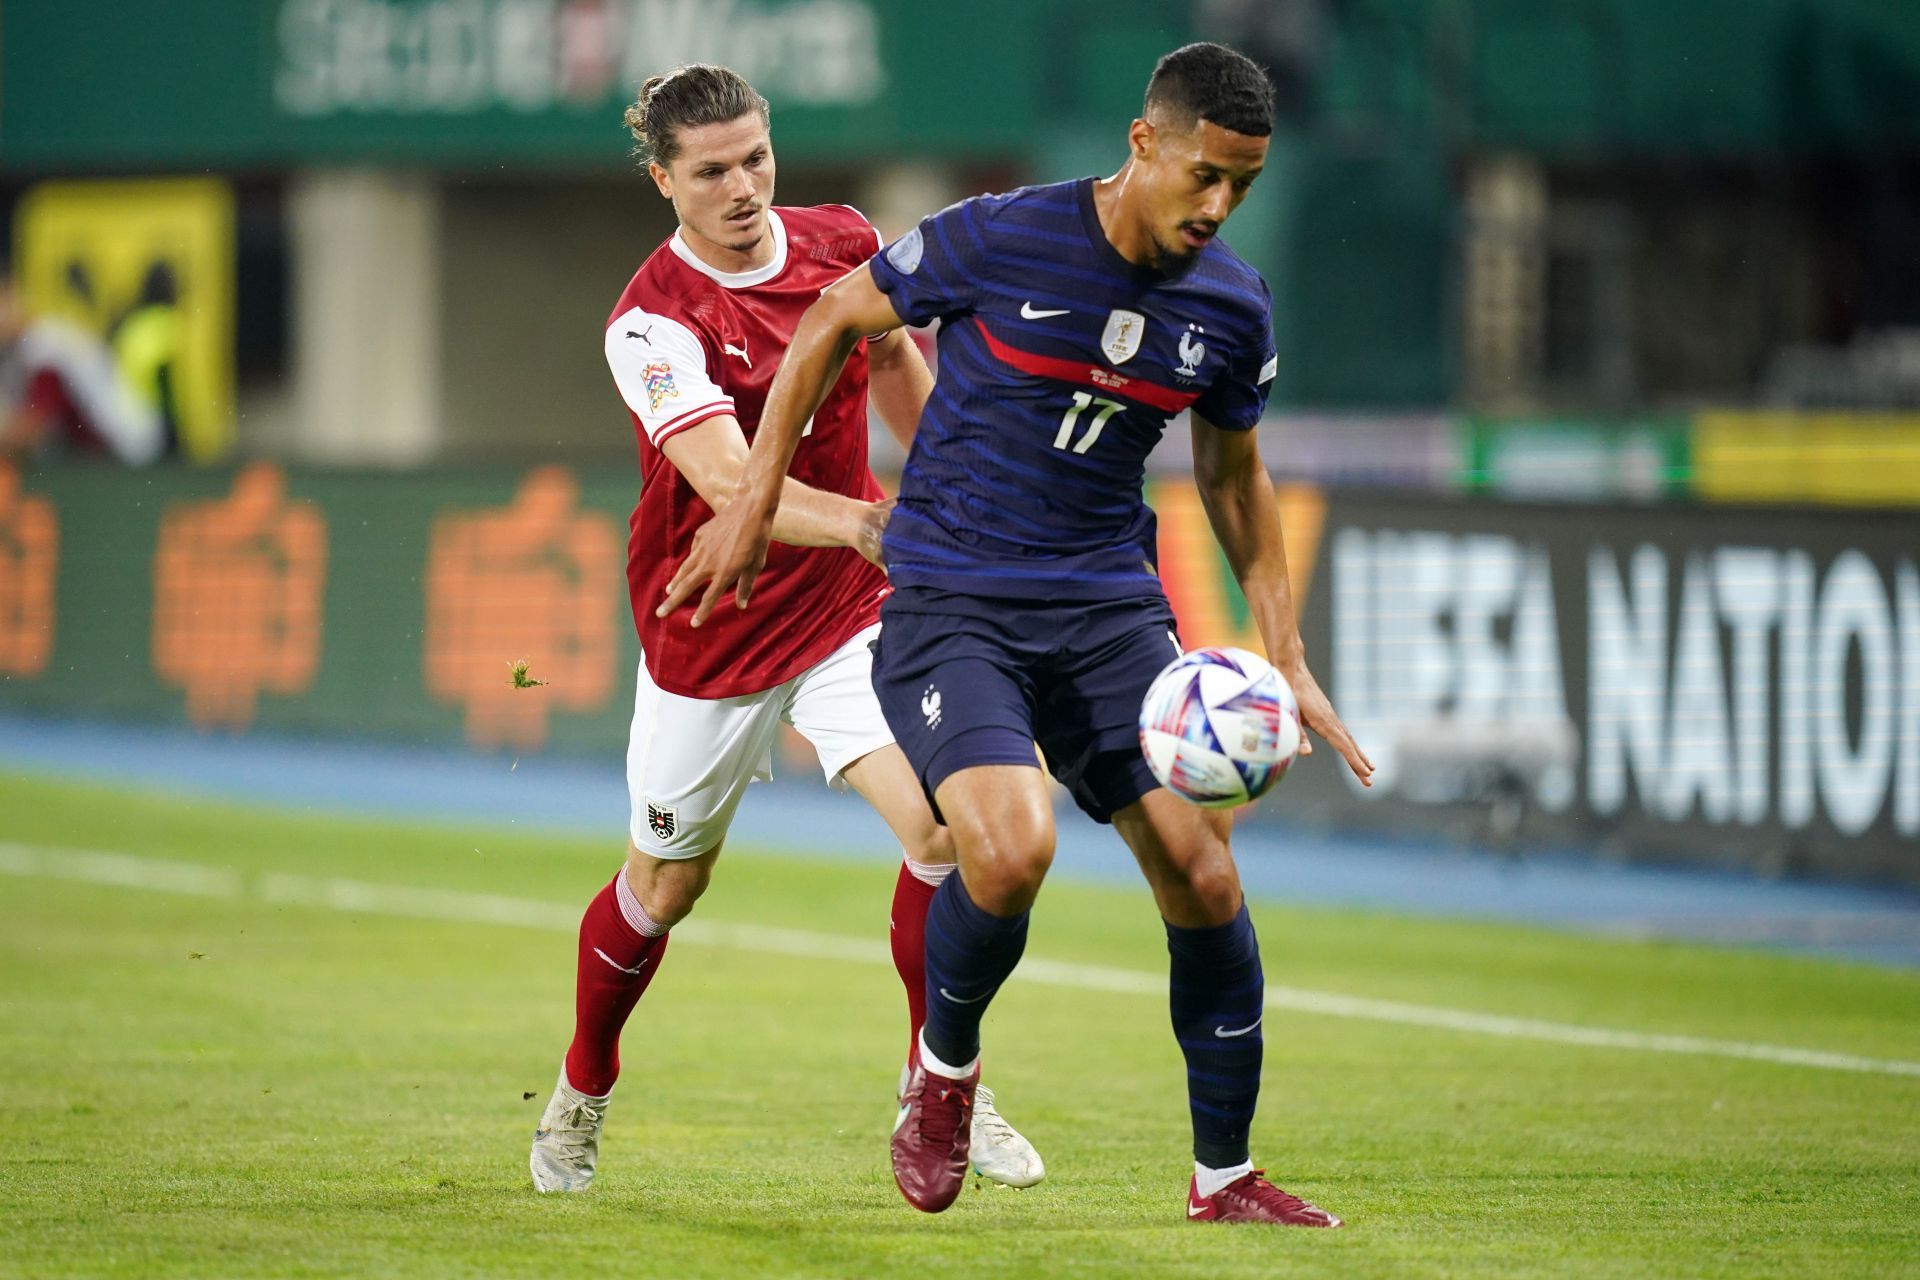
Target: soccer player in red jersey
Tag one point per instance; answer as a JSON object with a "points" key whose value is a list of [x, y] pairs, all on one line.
{"points": [[693, 344]]}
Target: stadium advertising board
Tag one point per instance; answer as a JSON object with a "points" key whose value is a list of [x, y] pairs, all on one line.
{"points": [[1729, 684], [147, 264], [388, 607], [453, 83], [456, 57], [1718, 683]]}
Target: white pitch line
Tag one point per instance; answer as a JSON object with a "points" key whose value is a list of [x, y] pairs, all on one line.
{"points": [[364, 897]]}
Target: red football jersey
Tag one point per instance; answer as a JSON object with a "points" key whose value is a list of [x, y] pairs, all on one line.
{"points": [[686, 343]]}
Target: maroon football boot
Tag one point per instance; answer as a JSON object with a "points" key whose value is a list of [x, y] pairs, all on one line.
{"points": [[1251, 1198], [931, 1138]]}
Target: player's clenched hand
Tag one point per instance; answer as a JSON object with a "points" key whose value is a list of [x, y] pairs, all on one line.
{"points": [[873, 526], [1317, 713], [728, 552]]}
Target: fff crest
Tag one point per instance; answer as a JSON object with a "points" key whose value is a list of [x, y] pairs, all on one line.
{"points": [[1121, 339]]}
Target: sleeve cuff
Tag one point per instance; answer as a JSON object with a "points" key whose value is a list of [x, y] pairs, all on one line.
{"points": [[691, 418]]}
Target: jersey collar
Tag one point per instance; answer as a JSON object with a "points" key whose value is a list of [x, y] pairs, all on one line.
{"points": [[739, 279]]}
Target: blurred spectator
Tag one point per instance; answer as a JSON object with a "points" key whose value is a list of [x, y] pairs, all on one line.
{"points": [[61, 391], [146, 343]]}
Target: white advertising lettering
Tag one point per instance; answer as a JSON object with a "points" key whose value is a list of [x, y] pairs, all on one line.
{"points": [[459, 57], [1731, 685]]}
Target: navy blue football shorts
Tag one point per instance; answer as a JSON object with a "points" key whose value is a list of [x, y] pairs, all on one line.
{"points": [[967, 681]]}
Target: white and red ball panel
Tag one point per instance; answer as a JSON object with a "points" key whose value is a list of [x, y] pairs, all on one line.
{"points": [[1219, 727]]}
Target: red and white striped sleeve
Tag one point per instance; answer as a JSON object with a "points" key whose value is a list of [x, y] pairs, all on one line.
{"points": [[661, 370]]}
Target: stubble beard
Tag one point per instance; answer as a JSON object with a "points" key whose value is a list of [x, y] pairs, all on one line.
{"points": [[750, 243]]}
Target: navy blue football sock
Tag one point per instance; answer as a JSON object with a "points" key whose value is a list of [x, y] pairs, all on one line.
{"points": [[969, 954], [1218, 995]]}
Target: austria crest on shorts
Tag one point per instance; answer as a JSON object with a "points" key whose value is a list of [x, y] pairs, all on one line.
{"points": [[662, 819], [1121, 339]]}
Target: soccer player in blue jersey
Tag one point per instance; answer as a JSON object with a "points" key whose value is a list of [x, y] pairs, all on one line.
{"points": [[1078, 320]]}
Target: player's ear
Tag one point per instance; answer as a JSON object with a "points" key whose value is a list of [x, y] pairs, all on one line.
{"points": [[661, 178], [1142, 138]]}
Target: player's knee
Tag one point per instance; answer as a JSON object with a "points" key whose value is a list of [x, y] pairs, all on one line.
{"points": [[930, 845], [667, 888], [1215, 887], [1005, 858], [1211, 881]]}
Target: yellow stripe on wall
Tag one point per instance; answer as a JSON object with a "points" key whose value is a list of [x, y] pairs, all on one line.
{"points": [[1842, 459]]}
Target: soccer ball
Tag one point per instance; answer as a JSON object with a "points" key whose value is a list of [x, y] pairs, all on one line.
{"points": [[1219, 727]]}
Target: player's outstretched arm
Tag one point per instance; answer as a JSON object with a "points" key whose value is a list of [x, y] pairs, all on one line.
{"points": [[1238, 496], [713, 454], [729, 549]]}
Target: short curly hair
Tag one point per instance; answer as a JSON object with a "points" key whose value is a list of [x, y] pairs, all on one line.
{"points": [[1211, 82]]}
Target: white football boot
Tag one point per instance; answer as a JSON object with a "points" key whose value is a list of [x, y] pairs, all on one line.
{"points": [[567, 1143], [999, 1152]]}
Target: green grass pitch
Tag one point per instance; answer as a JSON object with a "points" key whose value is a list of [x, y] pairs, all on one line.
{"points": [[257, 1086]]}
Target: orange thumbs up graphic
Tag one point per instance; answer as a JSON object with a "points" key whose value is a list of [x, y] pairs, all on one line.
{"points": [[29, 540], [537, 581], [237, 588]]}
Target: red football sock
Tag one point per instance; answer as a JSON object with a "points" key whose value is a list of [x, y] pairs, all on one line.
{"points": [[912, 895], [617, 961]]}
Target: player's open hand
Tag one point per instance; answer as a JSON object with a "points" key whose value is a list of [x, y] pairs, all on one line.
{"points": [[873, 527], [728, 552], [1317, 713]]}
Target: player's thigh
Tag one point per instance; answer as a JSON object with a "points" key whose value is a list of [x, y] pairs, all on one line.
{"points": [[833, 706], [689, 761], [1186, 854], [885, 780], [956, 693], [1088, 725]]}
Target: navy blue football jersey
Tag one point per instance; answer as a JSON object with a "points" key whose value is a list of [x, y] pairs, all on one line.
{"points": [[1061, 364]]}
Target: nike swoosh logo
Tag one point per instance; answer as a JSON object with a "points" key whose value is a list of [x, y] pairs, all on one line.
{"points": [[616, 964], [1225, 1034], [957, 1000], [1027, 312], [1195, 1210], [900, 1119]]}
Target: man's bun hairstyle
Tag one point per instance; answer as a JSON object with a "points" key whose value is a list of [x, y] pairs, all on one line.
{"points": [[696, 94], [1210, 82]]}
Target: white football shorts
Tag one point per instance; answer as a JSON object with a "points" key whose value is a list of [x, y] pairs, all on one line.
{"points": [[689, 760]]}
